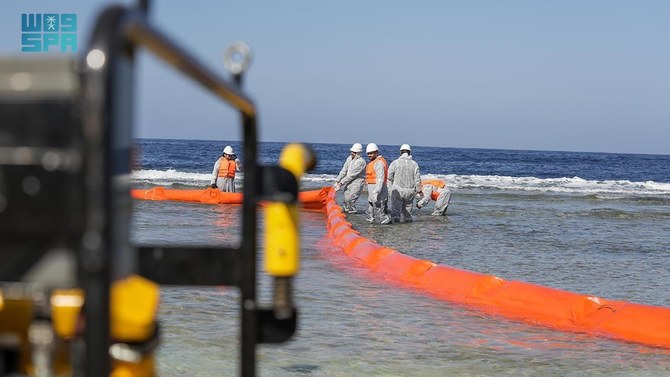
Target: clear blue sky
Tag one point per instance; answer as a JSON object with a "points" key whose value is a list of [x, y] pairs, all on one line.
{"points": [[522, 74]]}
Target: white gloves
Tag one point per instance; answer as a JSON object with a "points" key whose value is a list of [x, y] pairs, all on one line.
{"points": [[337, 186]]}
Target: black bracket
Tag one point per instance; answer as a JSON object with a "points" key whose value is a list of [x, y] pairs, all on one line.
{"points": [[276, 184]]}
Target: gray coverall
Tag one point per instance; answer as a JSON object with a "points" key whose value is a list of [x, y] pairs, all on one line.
{"points": [[352, 179], [222, 183], [442, 202], [405, 182], [378, 194]]}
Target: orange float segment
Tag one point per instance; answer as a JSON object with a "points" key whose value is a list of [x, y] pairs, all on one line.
{"points": [[590, 311], [330, 207], [369, 253], [350, 238], [636, 322], [377, 255], [347, 240], [208, 195], [156, 193], [333, 213], [326, 193], [309, 199], [346, 237], [534, 303], [451, 283], [335, 219], [313, 199], [339, 228], [486, 284], [402, 267], [337, 222]]}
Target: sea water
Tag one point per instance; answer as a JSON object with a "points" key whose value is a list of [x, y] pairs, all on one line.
{"points": [[592, 223]]}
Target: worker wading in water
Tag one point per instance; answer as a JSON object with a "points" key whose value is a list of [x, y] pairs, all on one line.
{"points": [[223, 174], [376, 173]]}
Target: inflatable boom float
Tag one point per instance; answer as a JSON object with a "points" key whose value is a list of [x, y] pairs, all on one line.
{"points": [[561, 310], [313, 199]]}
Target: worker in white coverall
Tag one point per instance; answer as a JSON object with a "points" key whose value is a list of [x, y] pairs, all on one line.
{"points": [[223, 174], [351, 178], [404, 183], [434, 189], [376, 174]]}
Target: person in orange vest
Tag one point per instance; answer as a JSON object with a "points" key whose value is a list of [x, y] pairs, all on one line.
{"points": [[376, 174], [223, 174], [405, 182], [434, 189]]}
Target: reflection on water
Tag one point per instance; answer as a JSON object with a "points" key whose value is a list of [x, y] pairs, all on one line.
{"points": [[227, 223]]}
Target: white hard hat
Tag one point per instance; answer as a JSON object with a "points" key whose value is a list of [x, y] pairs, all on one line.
{"points": [[405, 147], [228, 150], [356, 148], [372, 147]]}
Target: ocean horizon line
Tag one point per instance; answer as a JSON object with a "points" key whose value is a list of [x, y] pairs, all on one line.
{"points": [[504, 149]]}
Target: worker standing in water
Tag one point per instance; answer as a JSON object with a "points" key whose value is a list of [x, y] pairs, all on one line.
{"points": [[434, 189], [223, 174], [351, 178], [405, 182], [376, 174]]}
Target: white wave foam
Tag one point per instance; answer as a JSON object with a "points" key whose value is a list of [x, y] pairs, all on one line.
{"points": [[574, 185], [170, 177]]}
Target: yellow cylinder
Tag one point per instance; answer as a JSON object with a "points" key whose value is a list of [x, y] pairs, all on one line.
{"points": [[133, 308], [282, 238], [296, 158], [282, 241], [65, 308], [15, 318]]}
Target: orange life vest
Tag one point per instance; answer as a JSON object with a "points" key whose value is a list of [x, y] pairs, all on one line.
{"points": [[227, 168], [370, 175], [434, 182]]}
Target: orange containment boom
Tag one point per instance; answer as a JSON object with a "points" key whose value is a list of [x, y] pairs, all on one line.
{"points": [[313, 199], [649, 325]]}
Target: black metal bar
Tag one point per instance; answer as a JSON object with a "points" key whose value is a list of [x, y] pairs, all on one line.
{"points": [[119, 31], [141, 33], [98, 96], [184, 265], [249, 244]]}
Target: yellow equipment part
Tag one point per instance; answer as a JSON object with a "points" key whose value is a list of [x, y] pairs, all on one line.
{"points": [[15, 318], [65, 308], [133, 307], [282, 240], [296, 158]]}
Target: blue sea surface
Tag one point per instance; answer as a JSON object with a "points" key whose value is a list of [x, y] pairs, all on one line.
{"points": [[198, 156], [592, 223]]}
